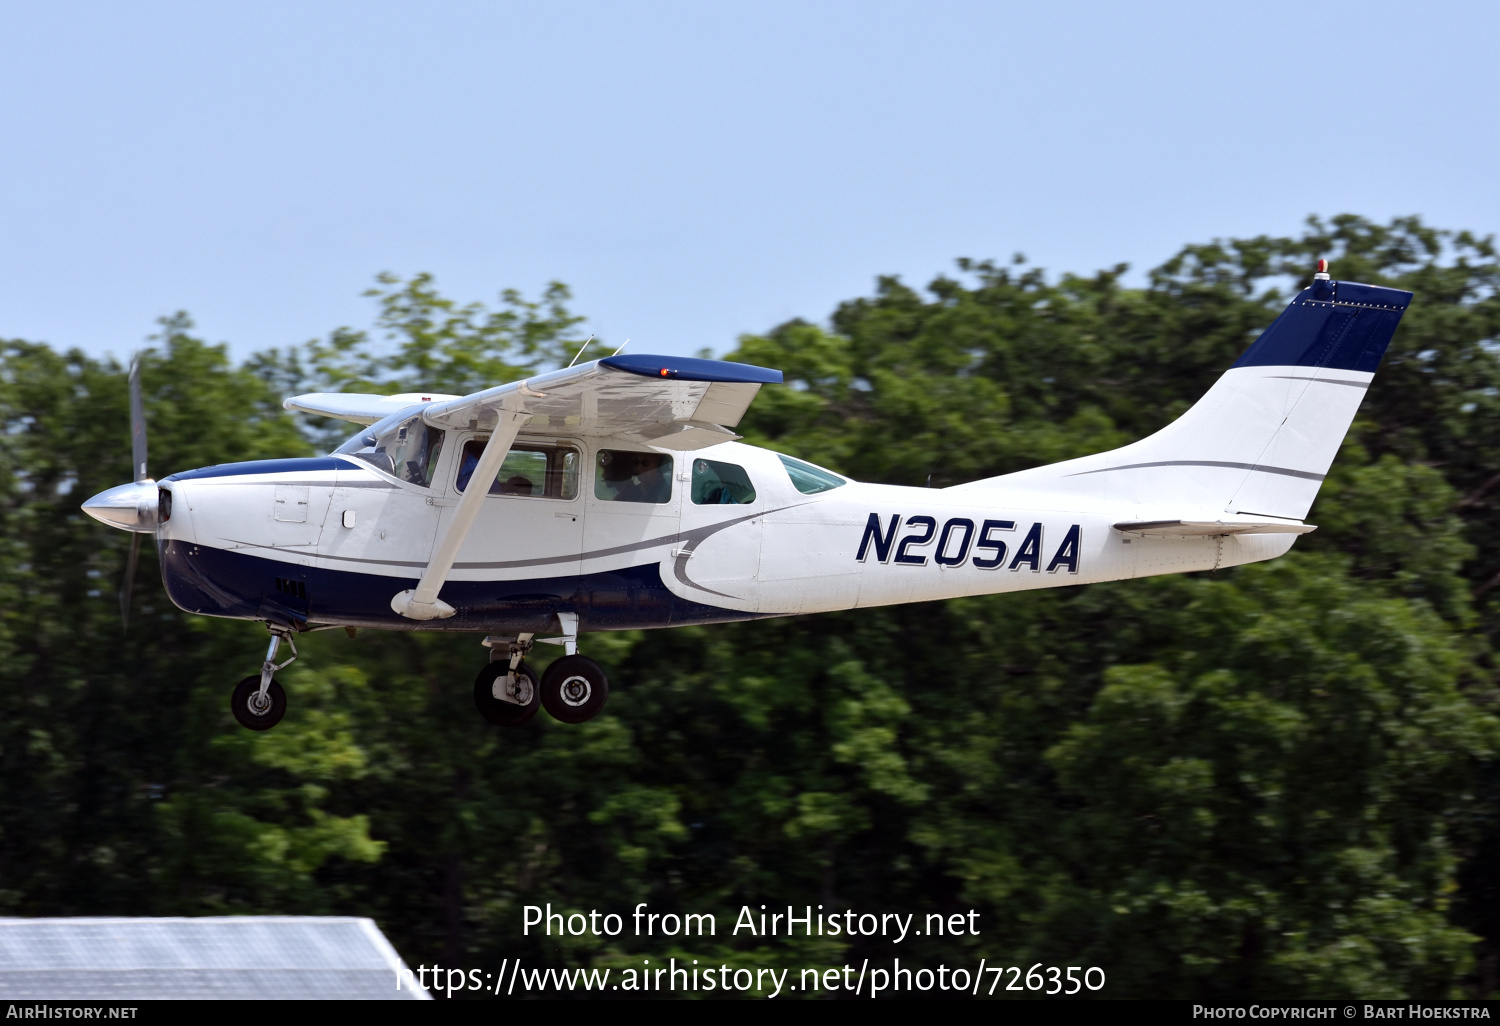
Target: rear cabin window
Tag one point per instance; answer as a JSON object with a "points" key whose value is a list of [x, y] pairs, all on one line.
{"points": [[621, 475], [721, 484], [808, 479], [538, 471], [407, 449]]}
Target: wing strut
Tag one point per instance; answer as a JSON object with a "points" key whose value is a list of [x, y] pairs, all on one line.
{"points": [[422, 602]]}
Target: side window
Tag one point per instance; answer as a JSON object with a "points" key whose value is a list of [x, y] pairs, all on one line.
{"points": [[808, 479], [540, 471], [624, 476], [407, 449], [720, 484]]}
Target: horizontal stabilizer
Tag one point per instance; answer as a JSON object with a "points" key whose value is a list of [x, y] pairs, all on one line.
{"points": [[1211, 528]]}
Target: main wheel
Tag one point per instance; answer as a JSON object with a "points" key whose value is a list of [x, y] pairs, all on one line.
{"points": [[497, 710], [574, 689], [254, 710]]}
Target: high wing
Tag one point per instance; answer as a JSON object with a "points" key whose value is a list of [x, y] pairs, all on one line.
{"points": [[671, 402], [360, 407]]}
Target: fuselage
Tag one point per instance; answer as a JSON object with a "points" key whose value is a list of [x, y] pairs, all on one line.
{"points": [[727, 532]]}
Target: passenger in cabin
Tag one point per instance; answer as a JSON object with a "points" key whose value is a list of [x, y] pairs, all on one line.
{"points": [[626, 476], [720, 484], [537, 471]]}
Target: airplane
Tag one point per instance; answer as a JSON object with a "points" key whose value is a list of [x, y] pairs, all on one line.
{"points": [[615, 495]]}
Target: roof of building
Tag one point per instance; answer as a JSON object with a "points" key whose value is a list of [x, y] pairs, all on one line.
{"points": [[210, 957]]}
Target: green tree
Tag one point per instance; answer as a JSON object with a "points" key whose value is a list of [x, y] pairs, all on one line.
{"points": [[126, 789], [426, 341], [1275, 780]]}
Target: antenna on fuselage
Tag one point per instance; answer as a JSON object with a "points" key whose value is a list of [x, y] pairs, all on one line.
{"points": [[617, 352], [580, 351]]}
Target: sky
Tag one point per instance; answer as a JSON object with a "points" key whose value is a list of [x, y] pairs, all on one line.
{"points": [[693, 171]]}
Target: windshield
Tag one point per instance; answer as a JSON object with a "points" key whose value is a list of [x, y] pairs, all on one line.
{"points": [[401, 445], [808, 479]]}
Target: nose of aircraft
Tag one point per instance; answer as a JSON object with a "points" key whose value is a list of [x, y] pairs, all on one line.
{"points": [[130, 507]]}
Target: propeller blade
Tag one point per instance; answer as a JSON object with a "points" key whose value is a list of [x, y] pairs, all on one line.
{"points": [[127, 586], [137, 423]]}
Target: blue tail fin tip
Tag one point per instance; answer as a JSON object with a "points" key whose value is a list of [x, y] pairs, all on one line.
{"points": [[1340, 325]]}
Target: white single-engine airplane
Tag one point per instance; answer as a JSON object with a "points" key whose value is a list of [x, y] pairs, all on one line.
{"points": [[613, 496]]}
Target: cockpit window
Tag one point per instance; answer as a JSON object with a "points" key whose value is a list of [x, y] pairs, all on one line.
{"points": [[625, 476], [720, 484], [542, 471], [808, 479], [403, 446]]}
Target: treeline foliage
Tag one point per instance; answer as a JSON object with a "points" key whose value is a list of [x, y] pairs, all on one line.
{"points": [[1283, 779]]}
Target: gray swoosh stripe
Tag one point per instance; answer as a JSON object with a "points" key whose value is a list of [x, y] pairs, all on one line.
{"points": [[1284, 471], [1326, 381], [614, 550], [698, 537], [311, 550], [506, 564], [694, 538]]}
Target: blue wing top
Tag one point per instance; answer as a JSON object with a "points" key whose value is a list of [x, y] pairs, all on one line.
{"points": [[689, 368]]}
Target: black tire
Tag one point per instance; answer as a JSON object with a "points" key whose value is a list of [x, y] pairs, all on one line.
{"points": [[574, 689], [246, 713], [506, 714]]}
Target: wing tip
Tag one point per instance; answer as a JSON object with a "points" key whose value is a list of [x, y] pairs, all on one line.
{"points": [[689, 368]]}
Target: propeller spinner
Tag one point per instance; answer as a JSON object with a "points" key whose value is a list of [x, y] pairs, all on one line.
{"points": [[130, 507]]}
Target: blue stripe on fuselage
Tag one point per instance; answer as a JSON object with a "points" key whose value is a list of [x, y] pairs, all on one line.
{"points": [[217, 582], [262, 467]]}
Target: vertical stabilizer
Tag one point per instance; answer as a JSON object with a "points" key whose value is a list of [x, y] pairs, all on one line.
{"points": [[1262, 439]]}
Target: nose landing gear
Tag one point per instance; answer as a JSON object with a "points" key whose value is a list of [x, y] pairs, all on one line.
{"points": [[258, 702]]}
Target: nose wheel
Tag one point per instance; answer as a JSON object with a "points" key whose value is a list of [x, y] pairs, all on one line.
{"points": [[258, 702], [255, 708]]}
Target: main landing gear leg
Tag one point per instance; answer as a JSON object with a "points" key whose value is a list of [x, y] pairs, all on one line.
{"points": [[258, 702], [506, 691], [574, 688]]}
